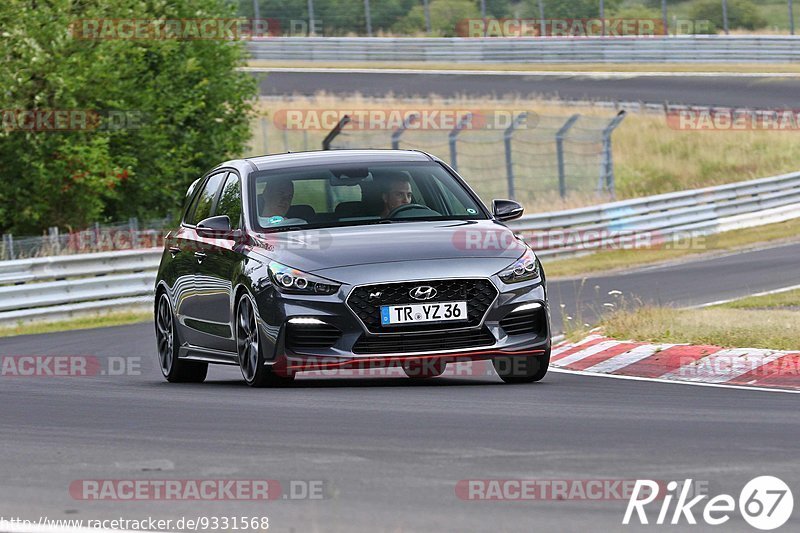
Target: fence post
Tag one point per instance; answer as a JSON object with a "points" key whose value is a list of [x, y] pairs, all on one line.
{"points": [[55, 242], [507, 135], [453, 136], [607, 170], [8, 244], [264, 128], [562, 132], [396, 134], [133, 225], [326, 142]]}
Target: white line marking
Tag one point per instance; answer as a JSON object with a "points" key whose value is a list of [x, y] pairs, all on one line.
{"points": [[765, 293], [586, 352], [551, 73], [670, 381], [632, 356]]}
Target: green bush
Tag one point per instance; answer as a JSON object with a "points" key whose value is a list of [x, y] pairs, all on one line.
{"points": [[446, 17], [741, 14]]}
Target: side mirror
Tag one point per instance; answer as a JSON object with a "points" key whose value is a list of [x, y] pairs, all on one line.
{"points": [[219, 226], [506, 210]]}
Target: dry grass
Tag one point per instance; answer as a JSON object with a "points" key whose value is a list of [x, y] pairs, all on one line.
{"points": [[776, 330]]}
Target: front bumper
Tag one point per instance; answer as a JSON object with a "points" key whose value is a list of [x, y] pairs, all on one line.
{"points": [[312, 343]]}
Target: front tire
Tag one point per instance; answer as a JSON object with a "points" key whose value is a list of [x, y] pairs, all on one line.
{"points": [[248, 348], [522, 369], [174, 369]]}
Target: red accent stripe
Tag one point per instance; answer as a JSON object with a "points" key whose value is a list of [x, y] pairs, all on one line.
{"points": [[383, 361], [599, 357], [782, 372], [667, 360], [577, 348]]}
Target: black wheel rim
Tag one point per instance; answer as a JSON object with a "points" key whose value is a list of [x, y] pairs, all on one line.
{"points": [[247, 339], [164, 335]]}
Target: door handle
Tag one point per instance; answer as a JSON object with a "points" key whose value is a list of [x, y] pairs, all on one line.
{"points": [[174, 250], [199, 256]]}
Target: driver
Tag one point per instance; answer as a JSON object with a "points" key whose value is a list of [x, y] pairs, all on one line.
{"points": [[397, 192], [278, 197]]}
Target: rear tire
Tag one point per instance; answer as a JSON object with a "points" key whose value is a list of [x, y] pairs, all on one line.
{"points": [[522, 369], [174, 369], [248, 347]]}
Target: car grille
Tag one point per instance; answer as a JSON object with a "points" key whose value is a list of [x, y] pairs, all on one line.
{"points": [[305, 337], [423, 342], [478, 293], [530, 321]]}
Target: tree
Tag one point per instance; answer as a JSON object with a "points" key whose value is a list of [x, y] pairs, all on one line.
{"points": [[184, 108], [741, 14], [446, 16]]}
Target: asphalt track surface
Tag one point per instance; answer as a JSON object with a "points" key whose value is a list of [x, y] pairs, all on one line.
{"points": [[769, 92], [391, 450]]}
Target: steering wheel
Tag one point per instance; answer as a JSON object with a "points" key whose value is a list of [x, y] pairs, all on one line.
{"points": [[407, 207]]}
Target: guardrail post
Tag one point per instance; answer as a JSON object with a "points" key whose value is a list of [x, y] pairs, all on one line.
{"points": [[452, 137], [507, 135], [560, 134], [326, 142], [396, 134], [607, 167]]}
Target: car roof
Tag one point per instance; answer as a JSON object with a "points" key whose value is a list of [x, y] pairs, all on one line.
{"points": [[323, 157]]}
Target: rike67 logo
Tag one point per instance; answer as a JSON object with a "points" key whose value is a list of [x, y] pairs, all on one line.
{"points": [[765, 503]]}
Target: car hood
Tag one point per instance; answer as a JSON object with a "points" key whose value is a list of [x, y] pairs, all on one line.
{"points": [[319, 250]]}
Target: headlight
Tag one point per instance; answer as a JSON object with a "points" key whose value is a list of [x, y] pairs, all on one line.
{"points": [[293, 281], [525, 268]]}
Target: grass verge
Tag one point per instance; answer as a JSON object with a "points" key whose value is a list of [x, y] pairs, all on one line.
{"points": [[611, 260], [84, 322], [775, 329], [768, 321]]}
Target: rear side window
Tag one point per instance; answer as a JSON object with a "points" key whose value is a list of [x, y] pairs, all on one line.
{"points": [[230, 201], [204, 202]]}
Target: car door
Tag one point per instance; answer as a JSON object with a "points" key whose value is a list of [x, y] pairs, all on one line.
{"points": [[216, 270], [194, 252]]}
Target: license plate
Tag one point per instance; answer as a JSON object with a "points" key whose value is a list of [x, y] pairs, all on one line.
{"points": [[418, 313]]}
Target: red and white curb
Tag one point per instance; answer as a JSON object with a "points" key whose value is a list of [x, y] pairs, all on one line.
{"points": [[704, 364]]}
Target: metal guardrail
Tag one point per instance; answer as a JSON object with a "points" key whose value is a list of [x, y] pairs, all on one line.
{"points": [[60, 286], [663, 218], [676, 49]]}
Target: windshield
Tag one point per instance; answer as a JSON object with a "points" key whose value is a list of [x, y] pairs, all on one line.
{"points": [[341, 195]]}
